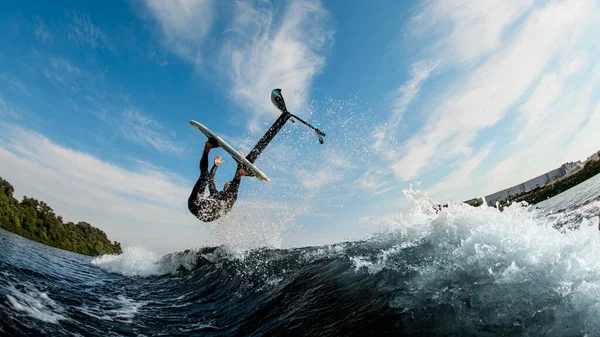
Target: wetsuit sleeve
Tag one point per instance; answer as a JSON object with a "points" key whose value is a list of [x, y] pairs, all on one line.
{"points": [[211, 181], [230, 194]]}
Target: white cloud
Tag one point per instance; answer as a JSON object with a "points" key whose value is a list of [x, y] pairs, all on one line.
{"points": [[463, 31], [374, 179], [560, 137], [383, 135], [409, 90], [329, 171], [84, 32], [259, 51], [144, 130], [456, 186], [41, 31], [184, 24], [263, 52], [131, 124], [483, 98], [8, 110], [550, 88], [588, 138], [144, 205], [61, 71], [557, 122], [471, 29], [16, 84], [60, 68]]}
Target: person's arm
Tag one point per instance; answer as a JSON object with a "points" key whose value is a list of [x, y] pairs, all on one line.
{"points": [[212, 188]]}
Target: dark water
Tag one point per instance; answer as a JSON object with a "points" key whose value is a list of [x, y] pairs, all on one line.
{"points": [[461, 272]]}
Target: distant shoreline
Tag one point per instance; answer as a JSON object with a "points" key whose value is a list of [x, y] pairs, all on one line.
{"points": [[544, 192], [36, 221], [547, 191]]}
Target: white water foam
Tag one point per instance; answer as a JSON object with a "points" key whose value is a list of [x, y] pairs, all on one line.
{"points": [[35, 303], [515, 235], [139, 261], [134, 261], [127, 310], [325, 252], [381, 258], [253, 225], [518, 246]]}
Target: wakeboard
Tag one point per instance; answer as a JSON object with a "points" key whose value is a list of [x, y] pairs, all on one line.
{"points": [[255, 171]]}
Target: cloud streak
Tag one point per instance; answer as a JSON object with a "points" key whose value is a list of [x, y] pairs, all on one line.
{"points": [[421, 70], [465, 30], [144, 130], [260, 50], [41, 31], [16, 84], [485, 95], [461, 179], [8, 110], [61, 71], [517, 71], [83, 32], [184, 25], [263, 52]]}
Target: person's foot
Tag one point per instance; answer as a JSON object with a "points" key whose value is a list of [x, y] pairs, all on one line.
{"points": [[242, 172], [240, 169], [210, 143]]}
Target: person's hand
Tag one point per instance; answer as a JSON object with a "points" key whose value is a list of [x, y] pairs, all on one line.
{"points": [[218, 160]]}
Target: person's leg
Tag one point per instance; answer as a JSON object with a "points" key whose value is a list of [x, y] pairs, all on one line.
{"points": [[239, 173], [234, 184], [268, 136], [200, 186]]}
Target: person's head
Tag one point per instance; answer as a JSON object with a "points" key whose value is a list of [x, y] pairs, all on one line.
{"points": [[226, 187]]}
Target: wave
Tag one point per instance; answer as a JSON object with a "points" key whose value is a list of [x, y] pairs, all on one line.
{"points": [[140, 261], [35, 303], [520, 233], [473, 268], [134, 261]]}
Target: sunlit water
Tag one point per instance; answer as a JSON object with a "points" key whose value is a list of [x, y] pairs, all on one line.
{"points": [[463, 271]]}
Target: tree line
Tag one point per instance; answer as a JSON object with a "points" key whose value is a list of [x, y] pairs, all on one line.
{"points": [[542, 193], [35, 220]]}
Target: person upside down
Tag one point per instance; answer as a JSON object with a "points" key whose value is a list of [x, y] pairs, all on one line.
{"points": [[211, 208]]}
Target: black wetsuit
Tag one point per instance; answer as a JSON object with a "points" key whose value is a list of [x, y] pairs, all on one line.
{"points": [[218, 203]]}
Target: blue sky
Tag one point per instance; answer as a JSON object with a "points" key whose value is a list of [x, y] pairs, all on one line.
{"points": [[462, 98]]}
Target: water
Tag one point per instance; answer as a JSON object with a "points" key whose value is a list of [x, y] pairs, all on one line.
{"points": [[583, 193], [460, 272]]}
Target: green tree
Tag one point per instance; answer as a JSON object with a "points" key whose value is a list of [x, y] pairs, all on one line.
{"points": [[37, 221]]}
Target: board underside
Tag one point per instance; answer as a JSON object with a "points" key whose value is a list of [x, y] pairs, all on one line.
{"points": [[229, 149]]}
